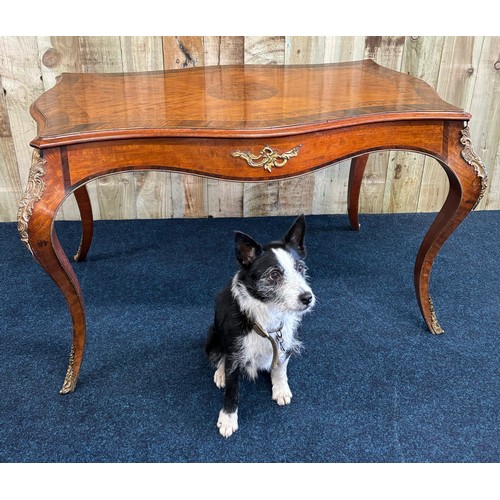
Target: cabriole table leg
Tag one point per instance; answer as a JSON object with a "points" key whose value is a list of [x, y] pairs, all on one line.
{"points": [[85, 207], [44, 193], [356, 172], [467, 177]]}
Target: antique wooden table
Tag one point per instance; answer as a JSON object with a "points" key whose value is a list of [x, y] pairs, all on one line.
{"points": [[243, 123]]}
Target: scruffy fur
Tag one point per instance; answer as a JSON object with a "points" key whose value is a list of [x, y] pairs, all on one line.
{"points": [[269, 289]]}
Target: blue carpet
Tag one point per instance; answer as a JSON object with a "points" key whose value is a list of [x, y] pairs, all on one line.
{"points": [[372, 385]]}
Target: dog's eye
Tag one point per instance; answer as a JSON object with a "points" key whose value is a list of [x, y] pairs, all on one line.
{"points": [[275, 275], [300, 267]]}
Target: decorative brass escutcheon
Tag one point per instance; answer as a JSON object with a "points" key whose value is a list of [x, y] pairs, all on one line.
{"points": [[268, 157]]}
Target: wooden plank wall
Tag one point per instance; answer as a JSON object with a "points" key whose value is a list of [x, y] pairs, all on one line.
{"points": [[464, 70]]}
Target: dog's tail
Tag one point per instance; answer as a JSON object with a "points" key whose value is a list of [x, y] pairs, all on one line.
{"points": [[213, 346]]}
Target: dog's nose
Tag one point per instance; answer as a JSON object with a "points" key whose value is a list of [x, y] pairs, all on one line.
{"points": [[306, 298]]}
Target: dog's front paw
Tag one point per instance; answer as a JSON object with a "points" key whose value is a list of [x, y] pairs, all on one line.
{"points": [[220, 377], [227, 423], [282, 394]]}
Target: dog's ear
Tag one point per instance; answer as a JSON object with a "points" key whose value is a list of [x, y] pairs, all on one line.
{"points": [[296, 234], [247, 249]]}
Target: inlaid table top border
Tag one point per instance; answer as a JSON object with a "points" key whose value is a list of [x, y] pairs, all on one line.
{"points": [[236, 101]]}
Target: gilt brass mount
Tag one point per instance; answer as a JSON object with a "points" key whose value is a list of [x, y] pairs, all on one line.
{"points": [[33, 193], [268, 158]]}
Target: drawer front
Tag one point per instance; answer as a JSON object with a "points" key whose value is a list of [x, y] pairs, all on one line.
{"points": [[247, 159]]}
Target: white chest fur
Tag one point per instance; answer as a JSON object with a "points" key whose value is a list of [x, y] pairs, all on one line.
{"points": [[256, 352], [278, 312]]}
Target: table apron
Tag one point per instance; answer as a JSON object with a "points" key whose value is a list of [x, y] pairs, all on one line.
{"points": [[293, 155]]}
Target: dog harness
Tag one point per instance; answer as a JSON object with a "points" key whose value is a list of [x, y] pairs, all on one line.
{"points": [[278, 344]]}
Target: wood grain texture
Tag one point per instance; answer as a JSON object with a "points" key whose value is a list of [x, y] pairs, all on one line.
{"points": [[188, 193], [262, 199], [421, 56], [486, 119], [387, 51], [224, 199], [455, 82], [330, 184], [58, 55], [466, 77], [344, 48], [153, 190], [299, 192], [10, 182], [21, 82], [116, 194], [231, 101]]}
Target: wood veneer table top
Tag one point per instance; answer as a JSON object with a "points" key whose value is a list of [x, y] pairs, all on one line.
{"points": [[231, 101]]}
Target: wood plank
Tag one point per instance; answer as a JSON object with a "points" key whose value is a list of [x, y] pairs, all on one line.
{"points": [[421, 57], [116, 193], [192, 190], [330, 184], [141, 53], [485, 122], [264, 50], [59, 55], [225, 199], [304, 49], [455, 84], [153, 193], [182, 52], [220, 50], [189, 193], [5, 131], [466, 76], [344, 48], [100, 54], [296, 195], [330, 189], [387, 51], [458, 69], [258, 198], [21, 85], [10, 181]]}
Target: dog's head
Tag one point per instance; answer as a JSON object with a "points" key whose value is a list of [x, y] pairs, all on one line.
{"points": [[276, 272]]}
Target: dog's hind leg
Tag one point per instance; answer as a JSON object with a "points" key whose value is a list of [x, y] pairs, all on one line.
{"points": [[281, 390], [220, 374]]}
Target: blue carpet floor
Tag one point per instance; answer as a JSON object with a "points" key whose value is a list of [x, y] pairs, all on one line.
{"points": [[372, 385]]}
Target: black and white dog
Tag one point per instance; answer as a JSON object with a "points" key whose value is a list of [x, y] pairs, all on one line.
{"points": [[257, 317]]}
